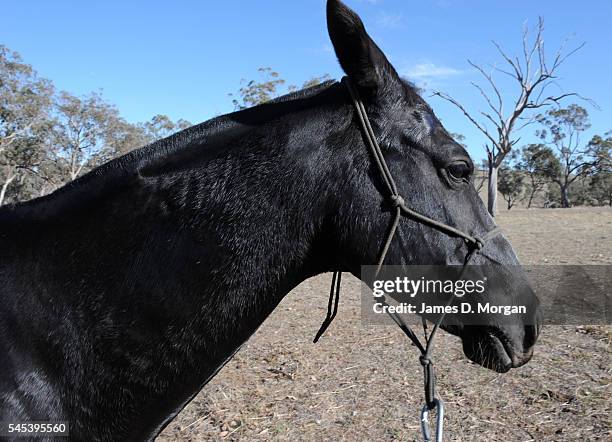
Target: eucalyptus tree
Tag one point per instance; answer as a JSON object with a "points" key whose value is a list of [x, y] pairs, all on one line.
{"points": [[600, 186], [79, 133], [161, 126], [268, 86], [258, 91], [25, 105], [562, 130], [536, 162], [511, 185]]}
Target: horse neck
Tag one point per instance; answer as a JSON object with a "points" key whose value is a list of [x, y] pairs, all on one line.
{"points": [[165, 278]]}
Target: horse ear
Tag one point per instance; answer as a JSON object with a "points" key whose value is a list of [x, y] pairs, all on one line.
{"points": [[361, 59]]}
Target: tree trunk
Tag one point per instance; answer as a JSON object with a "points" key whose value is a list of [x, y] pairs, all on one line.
{"points": [[565, 201], [492, 189], [533, 192], [5, 185]]}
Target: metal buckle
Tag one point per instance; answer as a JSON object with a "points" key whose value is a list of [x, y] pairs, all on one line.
{"points": [[439, 404]]}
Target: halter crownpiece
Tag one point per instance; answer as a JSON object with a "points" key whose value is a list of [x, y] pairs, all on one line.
{"points": [[475, 244]]}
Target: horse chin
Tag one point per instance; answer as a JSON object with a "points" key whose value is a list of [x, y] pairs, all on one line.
{"points": [[492, 351]]}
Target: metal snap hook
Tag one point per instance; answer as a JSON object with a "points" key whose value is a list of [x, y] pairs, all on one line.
{"points": [[439, 405]]}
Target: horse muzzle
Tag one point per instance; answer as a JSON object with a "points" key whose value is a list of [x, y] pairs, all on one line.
{"points": [[501, 348]]}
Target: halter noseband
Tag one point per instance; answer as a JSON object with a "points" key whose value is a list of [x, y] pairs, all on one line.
{"points": [[475, 244]]}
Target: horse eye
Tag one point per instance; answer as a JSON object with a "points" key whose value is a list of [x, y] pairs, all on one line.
{"points": [[459, 171]]}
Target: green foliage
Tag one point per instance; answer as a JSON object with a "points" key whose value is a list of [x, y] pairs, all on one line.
{"points": [[539, 160], [48, 139], [562, 129], [315, 81], [121, 137], [538, 163], [600, 186], [25, 99], [266, 88], [161, 126], [600, 149], [256, 92], [563, 123], [79, 133], [510, 184], [25, 103]]}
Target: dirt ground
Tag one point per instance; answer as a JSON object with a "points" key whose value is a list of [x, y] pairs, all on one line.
{"points": [[364, 384]]}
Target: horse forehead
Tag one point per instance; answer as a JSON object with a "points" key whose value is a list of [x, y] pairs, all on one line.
{"points": [[429, 122], [423, 126]]}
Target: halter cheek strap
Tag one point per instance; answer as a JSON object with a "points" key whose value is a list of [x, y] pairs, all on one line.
{"points": [[474, 243]]}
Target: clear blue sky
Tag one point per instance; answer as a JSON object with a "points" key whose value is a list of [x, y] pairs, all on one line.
{"points": [[182, 58]]}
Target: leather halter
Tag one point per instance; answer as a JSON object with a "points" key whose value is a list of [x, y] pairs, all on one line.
{"points": [[475, 244]]}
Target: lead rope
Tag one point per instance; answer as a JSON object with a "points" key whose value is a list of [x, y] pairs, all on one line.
{"points": [[474, 243]]}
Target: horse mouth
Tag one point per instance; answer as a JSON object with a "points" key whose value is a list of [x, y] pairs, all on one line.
{"points": [[493, 350]]}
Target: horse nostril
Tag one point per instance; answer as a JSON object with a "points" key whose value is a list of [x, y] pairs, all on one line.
{"points": [[531, 336], [532, 331]]}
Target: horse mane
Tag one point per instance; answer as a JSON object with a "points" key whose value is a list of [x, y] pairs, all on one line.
{"points": [[159, 155]]}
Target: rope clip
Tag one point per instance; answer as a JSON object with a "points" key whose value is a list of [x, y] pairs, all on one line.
{"points": [[439, 404]]}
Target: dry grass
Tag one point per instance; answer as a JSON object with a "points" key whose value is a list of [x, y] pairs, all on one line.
{"points": [[365, 383]]}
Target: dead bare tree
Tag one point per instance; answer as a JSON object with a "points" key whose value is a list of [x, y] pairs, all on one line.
{"points": [[480, 176], [534, 76]]}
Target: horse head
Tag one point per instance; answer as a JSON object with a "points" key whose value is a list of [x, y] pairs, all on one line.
{"points": [[434, 175]]}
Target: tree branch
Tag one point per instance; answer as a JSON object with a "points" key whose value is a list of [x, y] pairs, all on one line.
{"points": [[466, 113]]}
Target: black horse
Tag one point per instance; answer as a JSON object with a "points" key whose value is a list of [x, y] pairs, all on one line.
{"points": [[124, 292]]}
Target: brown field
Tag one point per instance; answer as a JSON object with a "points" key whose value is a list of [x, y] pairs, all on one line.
{"points": [[364, 384]]}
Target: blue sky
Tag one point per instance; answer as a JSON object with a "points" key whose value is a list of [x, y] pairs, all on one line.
{"points": [[182, 58]]}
